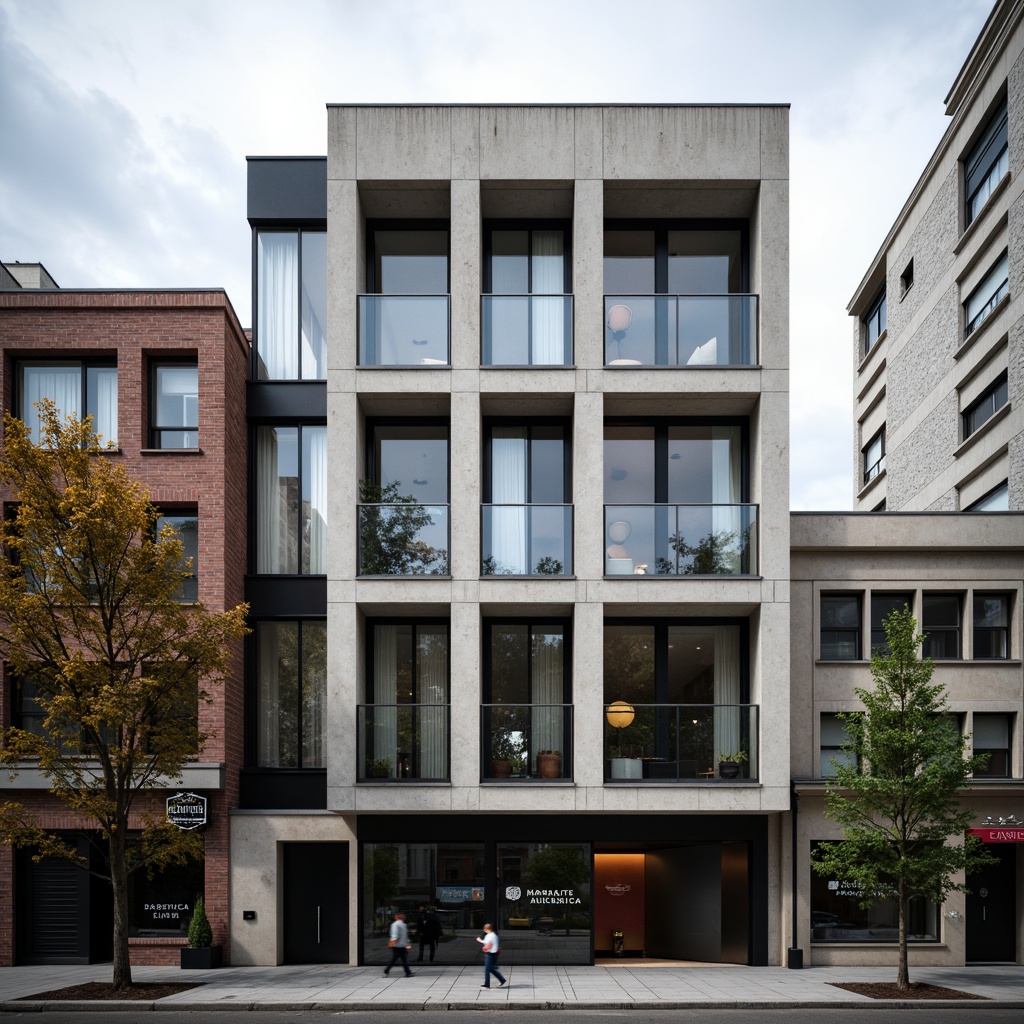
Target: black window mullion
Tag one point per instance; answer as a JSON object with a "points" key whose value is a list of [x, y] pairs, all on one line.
{"points": [[298, 309], [298, 693]]}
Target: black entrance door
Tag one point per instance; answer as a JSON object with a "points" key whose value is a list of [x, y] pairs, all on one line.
{"points": [[990, 908], [315, 903]]}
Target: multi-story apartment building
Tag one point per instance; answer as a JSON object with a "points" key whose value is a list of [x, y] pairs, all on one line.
{"points": [[162, 373], [530, 363], [939, 316]]}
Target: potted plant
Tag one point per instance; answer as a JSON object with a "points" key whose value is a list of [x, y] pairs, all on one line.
{"points": [[549, 764], [200, 954], [506, 742], [729, 763], [378, 767]]}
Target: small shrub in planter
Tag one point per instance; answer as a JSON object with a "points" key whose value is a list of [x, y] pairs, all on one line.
{"points": [[200, 953]]}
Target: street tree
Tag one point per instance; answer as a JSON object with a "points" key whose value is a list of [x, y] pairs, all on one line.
{"points": [[92, 624], [897, 788]]}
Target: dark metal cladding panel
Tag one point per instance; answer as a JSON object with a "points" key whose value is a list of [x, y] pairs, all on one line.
{"points": [[287, 190]]}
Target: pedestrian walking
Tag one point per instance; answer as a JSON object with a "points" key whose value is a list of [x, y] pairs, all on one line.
{"points": [[491, 949], [399, 944]]}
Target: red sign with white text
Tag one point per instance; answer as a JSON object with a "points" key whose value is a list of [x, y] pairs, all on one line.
{"points": [[998, 835]]}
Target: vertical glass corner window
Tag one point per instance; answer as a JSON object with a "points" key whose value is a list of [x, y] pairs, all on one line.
{"points": [[996, 500], [986, 405], [988, 295], [986, 164], [291, 316], [992, 626], [940, 622], [992, 737], [840, 627], [873, 456], [291, 499], [833, 737], [77, 388], [875, 322], [175, 405], [186, 525], [882, 606], [291, 671]]}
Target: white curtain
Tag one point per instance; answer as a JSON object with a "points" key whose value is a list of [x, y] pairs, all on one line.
{"points": [[727, 690], [268, 511], [61, 384], [103, 401], [725, 490], [269, 738], [508, 488], [277, 313], [316, 482], [546, 670], [547, 313], [432, 694], [385, 695], [314, 342]]}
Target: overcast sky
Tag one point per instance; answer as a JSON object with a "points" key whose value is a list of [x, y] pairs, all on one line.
{"points": [[124, 127]]}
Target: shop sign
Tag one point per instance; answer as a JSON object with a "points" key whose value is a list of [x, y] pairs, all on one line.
{"points": [[841, 888], [619, 889], [186, 810], [998, 835], [459, 894], [543, 897], [164, 912]]}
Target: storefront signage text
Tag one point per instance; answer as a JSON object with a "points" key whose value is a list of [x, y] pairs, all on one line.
{"points": [[186, 810], [548, 897], [998, 835], [459, 894], [166, 911]]}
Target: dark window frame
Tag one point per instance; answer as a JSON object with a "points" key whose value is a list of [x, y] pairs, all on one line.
{"points": [[857, 632], [1000, 763], [1007, 599], [1003, 485], [183, 512], [84, 365], [984, 157], [986, 405], [155, 429], [875, 321], [877, 629], [528, 224], [945, 629], [401, 224], [874, 469], [995, 295], [832, 749]]}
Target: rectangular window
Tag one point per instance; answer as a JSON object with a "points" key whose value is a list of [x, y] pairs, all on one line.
{"points": [[840, 627], [403, 726], [875, 322], [174, 405], [833, 736], [996, 500], [985, 166], [527, 516], [527, 712], [186, 526], [291, 499], [76, 387], [988, 294], [873, 456], [162, 906], [883, 605], [291, 660], [986, 405], [991, 626], [836, 915], [291, 319], [940, 622], [992, 737]]}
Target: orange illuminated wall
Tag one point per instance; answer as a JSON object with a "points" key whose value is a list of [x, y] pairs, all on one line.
{"points": [[619, 900]]}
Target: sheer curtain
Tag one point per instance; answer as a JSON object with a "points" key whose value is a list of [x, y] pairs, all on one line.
{"points": [[727, 689], [268, 511], [508, 487], [103, 402], [432, 694], [385, 695], [277, 312], [726, 522], [61, 384], [548, 280], [546, 658], [316, 482]]}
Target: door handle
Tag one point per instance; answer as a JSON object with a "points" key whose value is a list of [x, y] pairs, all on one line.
{"points": [[318, 924]]}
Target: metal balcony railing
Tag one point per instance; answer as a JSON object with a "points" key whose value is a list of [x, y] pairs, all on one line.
{"points": [[526, 330], [526, 540], [403, 330], [526, 741], [403, 741]]}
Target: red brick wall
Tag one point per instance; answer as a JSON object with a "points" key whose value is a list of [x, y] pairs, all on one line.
{"points": [[135, 328]]}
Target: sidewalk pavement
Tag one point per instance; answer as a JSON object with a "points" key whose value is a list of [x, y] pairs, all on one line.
{"points": [[334, 987]]}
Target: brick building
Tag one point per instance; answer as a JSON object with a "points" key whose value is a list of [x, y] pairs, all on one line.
{"points": [[163, 373]]}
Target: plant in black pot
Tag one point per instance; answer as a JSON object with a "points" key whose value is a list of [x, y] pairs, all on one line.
{"points": [[730, 763], [200, 954]]}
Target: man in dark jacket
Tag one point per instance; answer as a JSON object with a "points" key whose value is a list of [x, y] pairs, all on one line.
{"points": [[428, 930]]}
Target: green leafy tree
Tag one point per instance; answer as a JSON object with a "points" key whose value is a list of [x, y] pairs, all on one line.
{"points": [[389, 534], [89, 618], [561, 868], [897, 786]]}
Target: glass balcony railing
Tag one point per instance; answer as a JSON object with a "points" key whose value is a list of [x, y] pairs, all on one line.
{"points": [[403, 539], [526, 540], [526, 741], [680, 540], [681, 742], [403, 741], [526, 330], [680, 330], [403, 330]]}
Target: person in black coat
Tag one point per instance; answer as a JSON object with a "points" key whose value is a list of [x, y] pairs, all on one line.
{"points": [[428, 930]]}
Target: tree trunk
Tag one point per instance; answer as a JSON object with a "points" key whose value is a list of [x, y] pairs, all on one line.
{"points": [[902, 977], [119, 884]]}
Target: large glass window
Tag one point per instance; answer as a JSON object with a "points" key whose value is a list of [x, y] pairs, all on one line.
{"points": [[987, 163], [291, 499], [940, 622], [291, 319], [291, 660], [527, 518], [403, 728], [873, 456], [988, 295], [986, 405], [77, 388], [527, 725], [875, 322], [992, 735], [833, 738], [991, 625], [174, 406], [186, 526], [837, 917], [882, 606], [162, 905], [996, 500], [840, 627], [403, 516]]}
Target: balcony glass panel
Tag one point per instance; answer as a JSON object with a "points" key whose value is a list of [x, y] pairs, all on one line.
{"points": [[680, 540], [403, 741], [680, 330], [680, 742], [527, 540], [526, 330], [526, 741], [403, 539], [403, 330]]}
